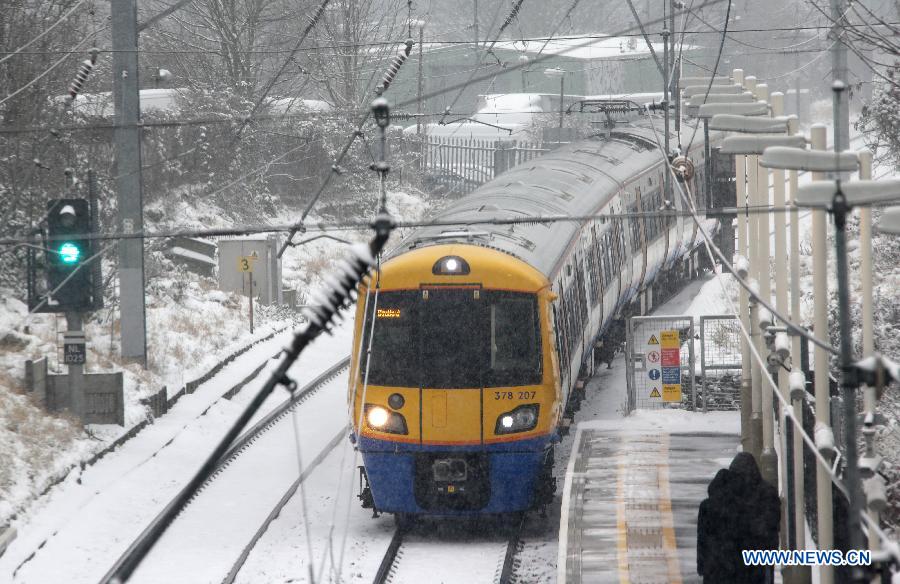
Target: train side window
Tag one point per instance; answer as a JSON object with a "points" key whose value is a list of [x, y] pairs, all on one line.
{"points": [[655, 220], [563, 326], [607, 259], [581, 294], [635, 226]]}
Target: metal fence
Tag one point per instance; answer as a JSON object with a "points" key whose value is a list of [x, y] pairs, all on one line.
{"points": [[459, 165], [660, 362], [720, 362]]}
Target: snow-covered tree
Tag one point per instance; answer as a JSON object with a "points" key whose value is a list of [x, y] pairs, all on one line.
{"points": [[880, 120]]}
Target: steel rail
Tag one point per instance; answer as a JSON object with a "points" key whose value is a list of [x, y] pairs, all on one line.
{"points": [[390, 557], [512, 549], [276, 511], [242, 442], [505, 575]]}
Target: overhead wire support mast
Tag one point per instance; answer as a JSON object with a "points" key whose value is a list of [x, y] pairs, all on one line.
{"points": [[321, 314]]}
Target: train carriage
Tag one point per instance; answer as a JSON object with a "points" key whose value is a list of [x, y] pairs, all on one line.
{"points": [[469, 341]]}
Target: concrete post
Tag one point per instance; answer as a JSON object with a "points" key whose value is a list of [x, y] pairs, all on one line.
{"points": [[76, 372], [756, 417], [823, 394], [756, 422], [865, 268], [127, 139], [868, 334], [740, 163], [793, 185], [781, 295], [797, 401], [839, 69], [768, 460], [749, 83]]}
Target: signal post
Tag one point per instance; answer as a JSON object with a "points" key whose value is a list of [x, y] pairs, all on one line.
{"points": [[72, 277]]}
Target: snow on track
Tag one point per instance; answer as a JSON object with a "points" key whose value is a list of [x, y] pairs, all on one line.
{"points": [[437, 558], [212, 531], [81, 527], [341, 532]]}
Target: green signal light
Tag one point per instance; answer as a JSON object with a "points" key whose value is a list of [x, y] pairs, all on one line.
{"points": [[69, 253]]}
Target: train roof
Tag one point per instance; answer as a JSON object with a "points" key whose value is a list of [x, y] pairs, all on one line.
{"points": [[574, 180]]}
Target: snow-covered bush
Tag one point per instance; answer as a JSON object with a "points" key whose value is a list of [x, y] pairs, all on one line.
{"points": [[880, 119]]}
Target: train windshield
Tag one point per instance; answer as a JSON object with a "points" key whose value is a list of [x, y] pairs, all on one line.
{"points": [[454, 338]]}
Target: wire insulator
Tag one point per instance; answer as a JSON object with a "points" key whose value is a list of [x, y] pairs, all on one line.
{"points": [[83, 72], [391, 73], [512, 15]]}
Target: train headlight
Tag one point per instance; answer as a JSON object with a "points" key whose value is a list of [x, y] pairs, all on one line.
{"points": [[377, 416], [450, 266], [521, 419], [381, 419]]}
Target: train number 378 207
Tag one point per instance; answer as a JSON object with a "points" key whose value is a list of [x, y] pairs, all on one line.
{"points": [[498, 395]]}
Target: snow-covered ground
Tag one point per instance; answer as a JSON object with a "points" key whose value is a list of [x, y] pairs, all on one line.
{"points": [[85, 523], [186, 337], [191, 326], [78, 530]]}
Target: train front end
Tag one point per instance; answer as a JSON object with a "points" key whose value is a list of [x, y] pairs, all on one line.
{"points": [[454, 391]]}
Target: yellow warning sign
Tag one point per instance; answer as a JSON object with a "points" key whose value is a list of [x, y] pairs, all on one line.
{"points": [[671, 392], [655, 392], [653, 340], [670, 339]]}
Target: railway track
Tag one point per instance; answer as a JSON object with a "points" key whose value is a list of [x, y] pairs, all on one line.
{"points": [[235, 499], [416, 557]]}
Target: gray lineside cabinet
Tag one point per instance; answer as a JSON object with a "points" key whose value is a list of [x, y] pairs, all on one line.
{"points": [[266, 269]]}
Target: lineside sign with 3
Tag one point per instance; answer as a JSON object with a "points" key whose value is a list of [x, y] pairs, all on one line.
{"points": [[245, 263]]}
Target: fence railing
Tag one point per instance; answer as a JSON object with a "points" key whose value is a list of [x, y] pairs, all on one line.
{"points": [[720, 362], [459, 165]]}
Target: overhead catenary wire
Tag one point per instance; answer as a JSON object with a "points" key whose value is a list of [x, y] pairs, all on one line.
{"points": [[335, 167], [480, 59], [787, 408], [268, 87], [45, 72], [43, 33], [792, 326], [350, 225], [337, 46], [715, 69]]}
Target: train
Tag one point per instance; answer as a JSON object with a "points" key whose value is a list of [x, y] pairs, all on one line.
{"points": [[472, 339]]}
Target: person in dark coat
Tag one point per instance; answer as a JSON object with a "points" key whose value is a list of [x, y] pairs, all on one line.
{"points": [[742, 512]]}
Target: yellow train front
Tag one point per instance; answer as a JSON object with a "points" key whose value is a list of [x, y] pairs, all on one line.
{"points": [[454, 392]]}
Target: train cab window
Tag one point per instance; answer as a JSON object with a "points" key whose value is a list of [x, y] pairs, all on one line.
{"points": [[515, 356], [452, 339], [395, 351]]}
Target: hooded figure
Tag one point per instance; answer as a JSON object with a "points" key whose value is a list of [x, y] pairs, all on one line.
{"points": [[742, 512]]}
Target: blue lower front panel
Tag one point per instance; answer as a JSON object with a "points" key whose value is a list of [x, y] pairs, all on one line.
{"points": [[500, 479]]}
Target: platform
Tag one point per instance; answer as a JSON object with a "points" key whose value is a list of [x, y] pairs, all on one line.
{"points": [[629, 508]]}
